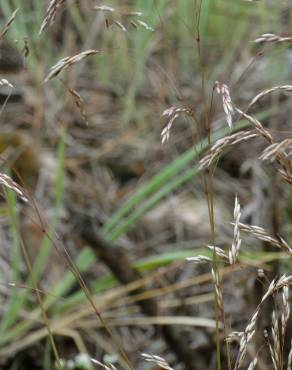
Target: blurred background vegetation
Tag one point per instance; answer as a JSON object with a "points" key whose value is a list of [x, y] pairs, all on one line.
{"points": [[102, 162]]}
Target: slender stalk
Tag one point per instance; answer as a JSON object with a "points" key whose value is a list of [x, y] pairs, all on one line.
{"points": [[208, 183], [71, 265], [44, 228], [37, 292]]}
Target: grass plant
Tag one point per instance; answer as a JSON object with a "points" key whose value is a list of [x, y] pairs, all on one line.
{"points": [[120, 56]]}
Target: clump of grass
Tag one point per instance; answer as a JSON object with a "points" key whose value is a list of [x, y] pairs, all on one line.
{"points": [[277, 152]]}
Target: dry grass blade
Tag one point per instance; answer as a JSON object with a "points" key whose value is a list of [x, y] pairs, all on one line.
{"points": [[68, 61], [189, 321], [51, 14], [159, 361], [8, 24]]}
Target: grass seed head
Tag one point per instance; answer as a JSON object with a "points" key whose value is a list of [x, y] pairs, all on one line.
{"points": [[68, 61], [159, 361], [223, 90], [51, 14]]}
